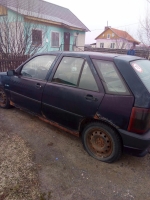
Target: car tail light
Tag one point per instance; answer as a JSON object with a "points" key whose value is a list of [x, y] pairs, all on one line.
{"points": [[139, 120]]}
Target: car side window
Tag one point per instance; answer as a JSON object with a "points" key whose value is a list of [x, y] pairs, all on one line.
{"points": [[38, 67], [110, 77], [87, 80], [68, 71]]}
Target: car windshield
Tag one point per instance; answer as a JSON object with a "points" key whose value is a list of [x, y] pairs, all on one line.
{"points": [[142, 68]]}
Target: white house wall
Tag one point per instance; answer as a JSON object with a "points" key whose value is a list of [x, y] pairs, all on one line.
{"points": [[81, 40]]}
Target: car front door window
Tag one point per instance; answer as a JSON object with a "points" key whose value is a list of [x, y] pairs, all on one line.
{"points": [[38, 67]]}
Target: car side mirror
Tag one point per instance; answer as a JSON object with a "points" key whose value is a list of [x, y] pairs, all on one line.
{"points": [[11, 72]]}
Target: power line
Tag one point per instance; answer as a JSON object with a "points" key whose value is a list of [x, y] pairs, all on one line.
{"points": [[128, 24], [115, 27]]}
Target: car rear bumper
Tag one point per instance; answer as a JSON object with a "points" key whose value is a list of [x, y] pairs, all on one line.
{"points": [[135, 144]]}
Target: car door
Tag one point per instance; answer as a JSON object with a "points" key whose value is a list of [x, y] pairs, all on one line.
{"points": [[26, 88], [72, 94]]}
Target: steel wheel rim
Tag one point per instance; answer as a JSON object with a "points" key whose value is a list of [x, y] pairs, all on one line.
{"points": [[3, 98], [99, 143]]}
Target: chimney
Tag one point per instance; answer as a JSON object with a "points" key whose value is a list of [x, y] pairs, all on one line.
{"points": [[106, 27]]}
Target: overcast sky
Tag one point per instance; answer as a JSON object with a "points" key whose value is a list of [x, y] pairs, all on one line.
{"points": [[120, 14]]}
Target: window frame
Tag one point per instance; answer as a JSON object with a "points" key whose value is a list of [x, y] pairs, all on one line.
{"points": [[108, 36], [65, 56], [37, 44], [97, 81], [92, 76], [58, 37], [102, 45], [112, 45]]}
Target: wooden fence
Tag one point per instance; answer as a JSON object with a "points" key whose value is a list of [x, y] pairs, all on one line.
{"points": [[9, 61]]}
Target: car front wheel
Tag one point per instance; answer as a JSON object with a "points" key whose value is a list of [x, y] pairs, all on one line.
{"points": [[102, 142], [4, 101]]}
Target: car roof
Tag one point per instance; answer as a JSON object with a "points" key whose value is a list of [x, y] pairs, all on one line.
{"points": [[96, 55]]}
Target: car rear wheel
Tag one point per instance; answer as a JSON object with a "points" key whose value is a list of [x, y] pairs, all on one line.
{"points": [[102, 142], [4, 101]]}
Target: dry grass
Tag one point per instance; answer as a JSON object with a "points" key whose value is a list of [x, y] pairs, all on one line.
{"points": [[18, 174]]}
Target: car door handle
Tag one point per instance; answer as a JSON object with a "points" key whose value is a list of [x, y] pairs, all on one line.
{"points": [[38, 85], [89, 97]]}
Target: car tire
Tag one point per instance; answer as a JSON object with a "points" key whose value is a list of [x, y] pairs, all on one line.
{"points": [[102, 142], [4, 101]]}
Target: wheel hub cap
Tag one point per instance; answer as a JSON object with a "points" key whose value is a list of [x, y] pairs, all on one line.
{"points": [[100, 143]]}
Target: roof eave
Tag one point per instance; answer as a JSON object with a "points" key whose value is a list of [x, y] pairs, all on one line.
{"points": [[54, 22], [99, 35], [73, 27]]}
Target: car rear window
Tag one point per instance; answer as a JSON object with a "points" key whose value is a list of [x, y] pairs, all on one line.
{"points": [[110, 77], [142, 69]]}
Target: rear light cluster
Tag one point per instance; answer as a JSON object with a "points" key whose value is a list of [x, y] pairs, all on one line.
{"points": [[139, 120]]}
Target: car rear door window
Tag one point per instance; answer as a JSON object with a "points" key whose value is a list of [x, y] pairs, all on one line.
{"points": [[87, 80], [68, 71], [110, 77], [38, 67]]}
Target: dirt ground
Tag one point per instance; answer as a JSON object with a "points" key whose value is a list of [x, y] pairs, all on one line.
{"points": [[42, 162]]}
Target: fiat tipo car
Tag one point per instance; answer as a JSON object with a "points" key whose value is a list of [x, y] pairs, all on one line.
{"points": [[103, 98]]}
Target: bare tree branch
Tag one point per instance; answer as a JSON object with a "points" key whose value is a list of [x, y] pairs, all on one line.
{"points": [[144, 33], [121, 42], [144, 30], [16, 36]]}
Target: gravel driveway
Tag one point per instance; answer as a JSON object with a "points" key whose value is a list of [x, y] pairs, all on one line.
{"points": [[38, 161]]}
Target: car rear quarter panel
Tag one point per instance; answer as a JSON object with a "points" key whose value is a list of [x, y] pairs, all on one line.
{"points": [[116, 109]]}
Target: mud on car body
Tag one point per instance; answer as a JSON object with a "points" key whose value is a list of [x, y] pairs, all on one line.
{"points": [[104, 98]]}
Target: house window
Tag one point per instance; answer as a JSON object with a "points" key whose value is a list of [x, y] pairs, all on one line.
{"points": [[113, 34], [55, 39], [101, 45], [112, 45], [108, 36], [36, 37]]}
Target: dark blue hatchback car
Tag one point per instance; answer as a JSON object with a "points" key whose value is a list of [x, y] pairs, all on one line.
{"points": [[104, 98]]}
